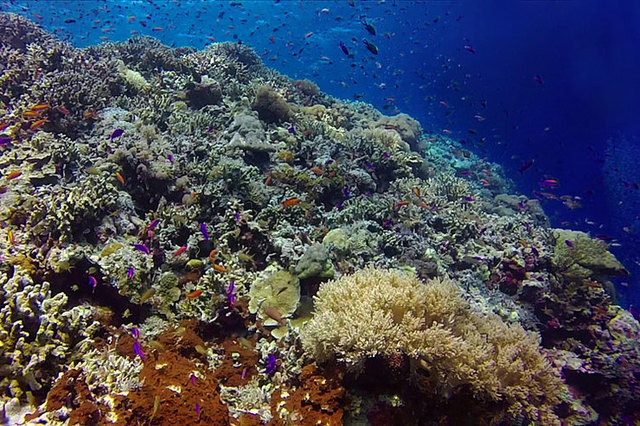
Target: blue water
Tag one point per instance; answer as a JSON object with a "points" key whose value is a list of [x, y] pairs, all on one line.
{"points": [[553, 82]]}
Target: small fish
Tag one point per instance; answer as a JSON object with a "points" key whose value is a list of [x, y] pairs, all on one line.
{"points": [[479, 117], [148, 294], [549, 183], [37, 124], [386, 155], [135, 333], [447, 131], [194, 294], [141, 247], [203, 230], [40, 107], [180, 251], [537, 79], [370, 46], [416, 191], [13, 175], [3, 126], [171, 159], [31, 114], [231, 297], [272, 364], [291, 202], [346, 192], [120, 178], [526, 166], [11, 238], [64, 110], [157, 29], [198, 410], [469, 48], [130, 272], [116, 134], [93, 282], [307, 35], [219, 268], [370, 28], [344, 48], [569, 243], [291, 129], [444, 104], [156, 405], [138, 350], [274, 314]]}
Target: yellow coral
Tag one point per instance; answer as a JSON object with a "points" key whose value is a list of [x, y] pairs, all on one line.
{"points": [[377, 312]]}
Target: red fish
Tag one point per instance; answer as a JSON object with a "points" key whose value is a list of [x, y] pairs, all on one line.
{"points": [[469, 48], [180, 251]]}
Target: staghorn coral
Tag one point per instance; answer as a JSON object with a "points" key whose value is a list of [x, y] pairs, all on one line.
{"points": [[383, 313]]}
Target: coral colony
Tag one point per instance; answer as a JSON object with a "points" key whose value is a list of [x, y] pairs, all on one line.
{"points": [[189, 237]]}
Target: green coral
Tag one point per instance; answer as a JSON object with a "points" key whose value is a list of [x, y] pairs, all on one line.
{"points": [[315, 262], [279, 291], [581, 257]]}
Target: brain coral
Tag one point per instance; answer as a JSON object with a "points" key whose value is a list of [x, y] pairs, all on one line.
{"points": [[377, 312]]}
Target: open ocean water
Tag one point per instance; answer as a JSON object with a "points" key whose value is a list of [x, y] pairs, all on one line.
{"points": [[530, 104]]}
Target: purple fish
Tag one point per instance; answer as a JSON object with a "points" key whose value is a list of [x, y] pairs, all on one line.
{"points": [[205, 233], [130, 272], [198, 410], [193, 379], [135, 333], [272, 364], [537, 79], [346, 193], [469, 198], [142, 248], [369, 165], [231, 298], [138, 350], [568, 243], [386, 155], [116, 134], [153, 224], [469, 48], [93, 282], [171, 159], [5, 141], [291, 129]]}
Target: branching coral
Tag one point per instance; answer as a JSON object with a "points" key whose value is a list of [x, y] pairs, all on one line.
{"points": [[384, 313]]}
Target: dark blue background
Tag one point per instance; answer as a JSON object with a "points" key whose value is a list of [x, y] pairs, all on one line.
{"points": [[586, 52]]}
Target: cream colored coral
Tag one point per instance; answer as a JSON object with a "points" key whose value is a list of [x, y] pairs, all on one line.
{"points": [[377, 312]]}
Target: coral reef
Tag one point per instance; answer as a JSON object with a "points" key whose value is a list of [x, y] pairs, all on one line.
{"points": [[168, 215]]}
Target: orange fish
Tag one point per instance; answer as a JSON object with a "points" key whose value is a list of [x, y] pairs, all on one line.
{"points": [[157, 29], [11, 238], [291, 202], [179, 251], [14, 174], [3, 126], [212, 256], [120, 178], [416, 192], [317, 170], [219, 268], [89, 114], [194, 294], [402, 203], [31, 114], [267, 181], [36, 124], [40, 107]]}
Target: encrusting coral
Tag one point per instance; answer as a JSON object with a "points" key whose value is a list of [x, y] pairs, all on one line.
{"points": [[386, 313]]}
